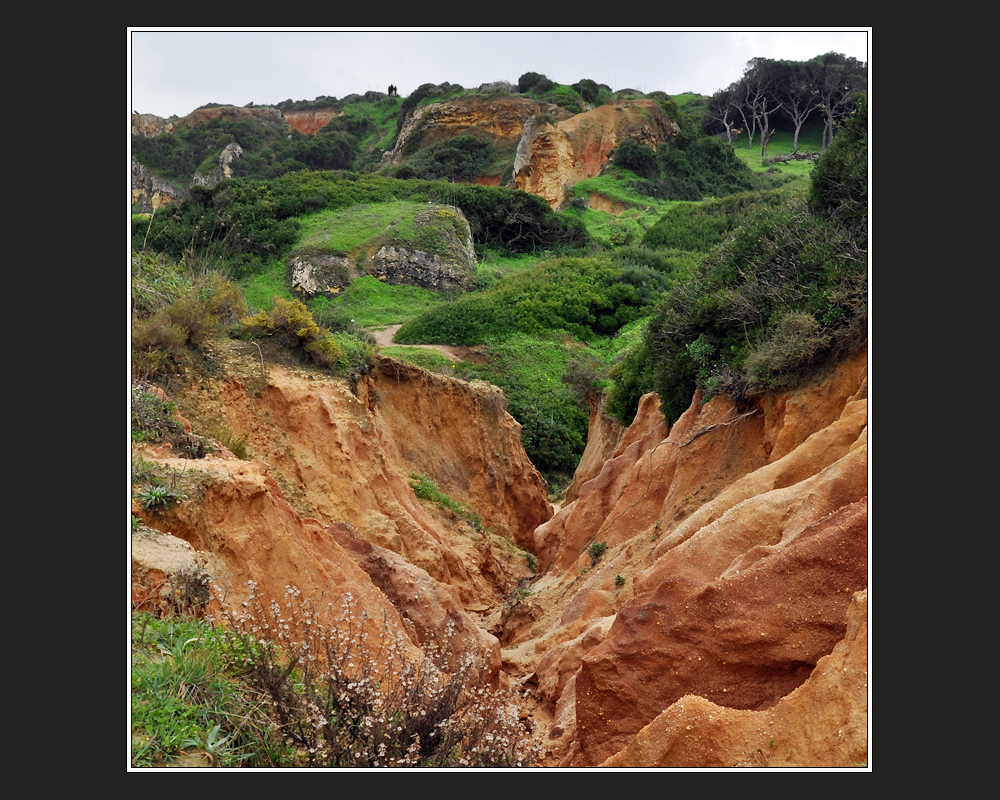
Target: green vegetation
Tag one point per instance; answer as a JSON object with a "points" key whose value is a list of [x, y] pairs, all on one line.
{"points": [[370, 303], [567, 305], [311, 691], [415, 226], [530, 371], [186, 699], [597, 549], [249, 223], [346, 355], [426, 489], [157, 496], [585, 296], [785, 293], [422, 357]]}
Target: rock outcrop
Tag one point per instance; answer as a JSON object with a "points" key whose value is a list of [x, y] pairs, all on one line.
{"points": [[230, 153], [822, 723], [564, 153], [394, 260], [333, 458], [150, 192], [311, 121], [500, 119], [152, 125], [735, 542]]}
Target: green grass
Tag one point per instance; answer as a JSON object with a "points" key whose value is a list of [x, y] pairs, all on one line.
{"points": [[344, 231], [496, 266], [615, 186], [370, 303], [422, 357], [186, 699], [530, 370], [260, 289], [810, 141]]}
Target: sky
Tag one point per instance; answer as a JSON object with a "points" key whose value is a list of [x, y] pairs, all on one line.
{"points": [[172, 71]]}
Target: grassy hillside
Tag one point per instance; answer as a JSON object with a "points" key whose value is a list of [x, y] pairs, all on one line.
{"points": [[562, 300]]}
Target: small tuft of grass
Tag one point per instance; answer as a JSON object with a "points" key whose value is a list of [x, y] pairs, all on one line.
{"points": [[426, 489]]}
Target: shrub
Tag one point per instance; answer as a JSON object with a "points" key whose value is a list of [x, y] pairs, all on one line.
{"points": [[786, 292], [462, 158], [157, 496], [637, 157], [426, 489], [345, 699], [840, 178], [533, 81], [346, 355], [597, 549]]}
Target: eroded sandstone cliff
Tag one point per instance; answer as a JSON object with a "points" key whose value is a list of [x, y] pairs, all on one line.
{"points": [[723, 624]]}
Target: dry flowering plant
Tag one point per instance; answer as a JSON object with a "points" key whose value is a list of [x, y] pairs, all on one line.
{"points": [[342, 697]]}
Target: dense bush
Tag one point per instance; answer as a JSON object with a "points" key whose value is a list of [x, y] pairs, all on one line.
{"points": [[693, 166], [250, 222], [174, 305], [533, 81], [530, 371], [462, 158], [787, 291], [596, 94], [840, 178], [637, 157], [585, 296], [701, 227]]}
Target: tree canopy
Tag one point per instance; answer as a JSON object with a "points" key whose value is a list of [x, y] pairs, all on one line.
{"points": [[790, 91]]}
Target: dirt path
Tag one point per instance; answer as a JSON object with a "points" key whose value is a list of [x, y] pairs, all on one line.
{"points": [[386, 338]]}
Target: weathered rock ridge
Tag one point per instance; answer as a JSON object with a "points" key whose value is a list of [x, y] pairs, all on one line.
{"points": [[327, 457], [735, 543], [152, 125], [311, 121]]}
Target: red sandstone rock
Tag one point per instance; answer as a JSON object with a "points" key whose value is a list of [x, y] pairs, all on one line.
{"points": [[823, 723], [743, 641]]}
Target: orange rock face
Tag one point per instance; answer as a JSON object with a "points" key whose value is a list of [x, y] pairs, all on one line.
{"points": [[722, 623], [334, 458], [575, 149], [735, 542], [311, 121], [823, 723], [500, 119]]}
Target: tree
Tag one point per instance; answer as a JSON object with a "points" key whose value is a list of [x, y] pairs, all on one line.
{"points": [[828, 83], [763, 96], [798, 88], [724, 108], [839, 79]]}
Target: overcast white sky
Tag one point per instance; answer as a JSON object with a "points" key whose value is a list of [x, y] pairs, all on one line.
{"points": [[172, 71]]}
